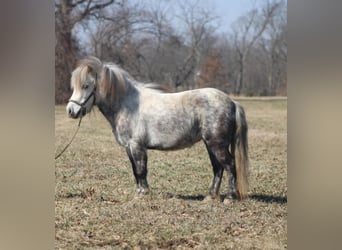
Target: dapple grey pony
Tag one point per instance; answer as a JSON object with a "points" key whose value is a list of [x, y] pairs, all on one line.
{"points": [[144, 117]]}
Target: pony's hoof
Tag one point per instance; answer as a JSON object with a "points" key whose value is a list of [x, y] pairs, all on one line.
{"points": [[209, 199], [227, 202], [142, 191]]}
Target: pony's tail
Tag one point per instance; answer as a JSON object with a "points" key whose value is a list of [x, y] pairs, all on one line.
{"points": [[241, 152]]}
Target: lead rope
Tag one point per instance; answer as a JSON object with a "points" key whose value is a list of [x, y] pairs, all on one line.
{"points": [[78, 127]]}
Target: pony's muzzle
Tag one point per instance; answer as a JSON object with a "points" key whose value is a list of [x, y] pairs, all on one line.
{"points": [[74, 111]]}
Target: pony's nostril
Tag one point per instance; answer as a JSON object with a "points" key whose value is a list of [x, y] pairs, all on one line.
{"points": [[69, 111]]}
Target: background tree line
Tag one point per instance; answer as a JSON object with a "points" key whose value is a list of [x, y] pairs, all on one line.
{"points": [[179, 46]]}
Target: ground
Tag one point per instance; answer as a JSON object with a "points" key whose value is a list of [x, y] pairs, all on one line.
{"points": [[96, 206]]}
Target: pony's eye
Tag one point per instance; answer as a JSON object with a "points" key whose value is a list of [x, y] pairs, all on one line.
{"points": [[85, 86]]}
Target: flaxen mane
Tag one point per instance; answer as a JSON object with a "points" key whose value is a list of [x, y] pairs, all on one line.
{"points": [[157, 87], [112, 80]]}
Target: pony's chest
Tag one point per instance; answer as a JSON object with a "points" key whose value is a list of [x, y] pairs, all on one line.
{"points": [[122, 130]]}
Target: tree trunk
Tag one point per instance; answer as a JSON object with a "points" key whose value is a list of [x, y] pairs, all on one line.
{"points": [[240, 78], [65, 52]]}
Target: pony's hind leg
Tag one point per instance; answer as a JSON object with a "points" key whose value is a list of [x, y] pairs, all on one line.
{"points": [[138, 158], [222, 159], [215, 155], [231, 171]]}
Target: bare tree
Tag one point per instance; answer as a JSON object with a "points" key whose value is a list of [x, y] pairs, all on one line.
{"points": [[132, 37], [68, 13], [274, 46], [174, 44], [246, 31], [198, 27]]}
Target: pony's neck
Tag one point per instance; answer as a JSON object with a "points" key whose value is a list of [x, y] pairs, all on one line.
{"points": [[128, 102]]}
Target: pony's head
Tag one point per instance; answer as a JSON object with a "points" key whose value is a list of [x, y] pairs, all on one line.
{"points": [[83, 83], [94, 82]]}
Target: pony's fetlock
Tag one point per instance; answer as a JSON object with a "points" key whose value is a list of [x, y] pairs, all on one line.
{"points": [[142, 190]]}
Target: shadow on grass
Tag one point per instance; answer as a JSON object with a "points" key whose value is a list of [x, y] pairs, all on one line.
{"points": [[184, 197], [268, 198], [190, 197], [257, 197]]}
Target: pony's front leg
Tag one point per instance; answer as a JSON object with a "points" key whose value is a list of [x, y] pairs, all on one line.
{"points": [[138, 158]]}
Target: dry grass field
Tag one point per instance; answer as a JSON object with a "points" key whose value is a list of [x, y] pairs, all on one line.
{"points": [[96, 207]]}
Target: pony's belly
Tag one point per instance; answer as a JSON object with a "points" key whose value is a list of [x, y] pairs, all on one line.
{"points": [[173, 143]]}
